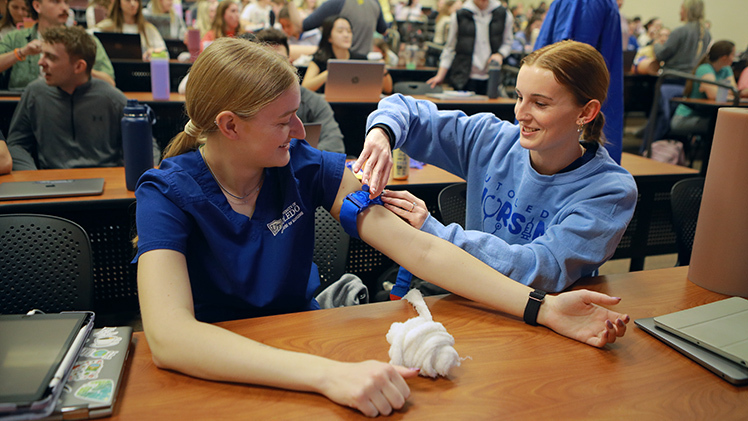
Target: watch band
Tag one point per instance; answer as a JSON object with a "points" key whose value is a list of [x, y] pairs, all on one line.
{"points": [[533, 307]]}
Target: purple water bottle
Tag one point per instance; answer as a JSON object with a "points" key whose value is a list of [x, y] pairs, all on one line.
{"points": [[160, 76], [137, 142]]}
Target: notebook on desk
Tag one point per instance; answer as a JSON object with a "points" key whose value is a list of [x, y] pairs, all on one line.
{"points": [[14, 190], [726, 369], [93, 384], [354, 80], [121, 46], [720, 327]]}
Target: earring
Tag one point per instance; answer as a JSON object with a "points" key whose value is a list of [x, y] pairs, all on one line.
{"points": [[580, 126]]}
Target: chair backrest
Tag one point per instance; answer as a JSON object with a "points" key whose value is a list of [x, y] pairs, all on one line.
{"points": [[45, 264], [651, 133], [414, 88], [452, 200], [685, 200], [330, 247]]}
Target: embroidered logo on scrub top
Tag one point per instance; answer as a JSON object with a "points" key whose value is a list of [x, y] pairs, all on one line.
{"points": [[290, 215]]}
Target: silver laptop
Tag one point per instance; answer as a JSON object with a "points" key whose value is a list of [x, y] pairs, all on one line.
{"points": [[354, 80], [720, 327], [313, 131], [726, 369], [13, 190], [93, 383]]}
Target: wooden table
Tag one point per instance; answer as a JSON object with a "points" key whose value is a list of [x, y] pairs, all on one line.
{"points": [[511, 370], [650, 231]]}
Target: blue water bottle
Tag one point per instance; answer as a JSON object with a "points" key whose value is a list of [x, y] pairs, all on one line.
{"points": [[137, 142]]}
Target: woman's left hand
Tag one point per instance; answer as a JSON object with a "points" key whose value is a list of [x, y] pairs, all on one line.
{"points": [[407, 206], [578, 315]]}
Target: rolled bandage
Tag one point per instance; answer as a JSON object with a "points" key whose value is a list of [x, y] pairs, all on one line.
{"points": [[421, 342]]}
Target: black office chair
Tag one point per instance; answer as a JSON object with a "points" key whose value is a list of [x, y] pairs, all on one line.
{"points": [[658, 125], [330, 248], [685, 200], [452, 200], [45, 264], [415, 88]]}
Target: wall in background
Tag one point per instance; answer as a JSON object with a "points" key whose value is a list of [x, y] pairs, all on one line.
{"points": [[728, 17]]}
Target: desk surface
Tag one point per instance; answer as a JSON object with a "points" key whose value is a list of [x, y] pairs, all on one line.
{"points": [[640, 166], [114, 183], [511, 370]]}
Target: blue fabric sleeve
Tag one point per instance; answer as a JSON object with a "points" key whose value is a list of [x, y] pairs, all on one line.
{"points": [[566, 252]]}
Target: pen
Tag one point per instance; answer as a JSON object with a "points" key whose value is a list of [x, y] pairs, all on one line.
{"points": [[68, 359]]}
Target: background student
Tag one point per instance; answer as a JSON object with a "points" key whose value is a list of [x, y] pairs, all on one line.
{"points": [[19, 50], [225, 23], [226, 230], [546, 204], [68, 119], [335, 44], [177, 28], [15, 11], [126, 17]]}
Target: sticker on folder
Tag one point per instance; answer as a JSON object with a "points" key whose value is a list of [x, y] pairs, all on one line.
{"points": [[96, 390], [104, 354]]}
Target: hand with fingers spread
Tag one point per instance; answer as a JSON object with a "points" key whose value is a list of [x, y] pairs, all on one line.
{"points": [[579, 315], [407, 206], [372, 387], [376, 160]]}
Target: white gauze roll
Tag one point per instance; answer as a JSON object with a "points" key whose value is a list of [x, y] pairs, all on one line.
{"points": [[421, 342]]}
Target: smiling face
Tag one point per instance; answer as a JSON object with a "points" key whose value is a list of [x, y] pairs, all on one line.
{"points": [[268, 135], [341, 35], [548, 115]]}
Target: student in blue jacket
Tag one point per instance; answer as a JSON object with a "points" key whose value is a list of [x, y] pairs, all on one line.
{"points": [[546, 204], [226, 231]]}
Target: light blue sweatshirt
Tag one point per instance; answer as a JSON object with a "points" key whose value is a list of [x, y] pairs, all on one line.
{"points": [[542, 231]]}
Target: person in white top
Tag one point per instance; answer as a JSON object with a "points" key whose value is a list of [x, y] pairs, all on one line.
{"points": [[256, 16], [126, 16], [471, 57]]}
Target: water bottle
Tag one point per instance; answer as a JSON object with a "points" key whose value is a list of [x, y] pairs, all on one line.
{"points": [[137, 142], [494, 79], [402, 165], [411, 56], [193, 43], [160, 76]]}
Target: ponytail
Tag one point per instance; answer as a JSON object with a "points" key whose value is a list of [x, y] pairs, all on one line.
{"points": [[594, 129]]}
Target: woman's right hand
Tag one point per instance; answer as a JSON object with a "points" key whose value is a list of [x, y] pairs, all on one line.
{"points": [[372, 387], [376, 160]]}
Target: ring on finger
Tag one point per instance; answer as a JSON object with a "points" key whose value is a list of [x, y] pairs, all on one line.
{"points": [[412, 207]]}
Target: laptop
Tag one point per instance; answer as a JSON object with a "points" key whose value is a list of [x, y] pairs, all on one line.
{"points": [[121, 46], [720, 327], [37, 352], [13, 190], [313, 131], [11, 92], [93, 384], [726, 369], [354, 80]]}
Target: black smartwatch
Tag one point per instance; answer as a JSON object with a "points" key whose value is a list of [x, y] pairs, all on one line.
{"points": [[533, 307]]}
